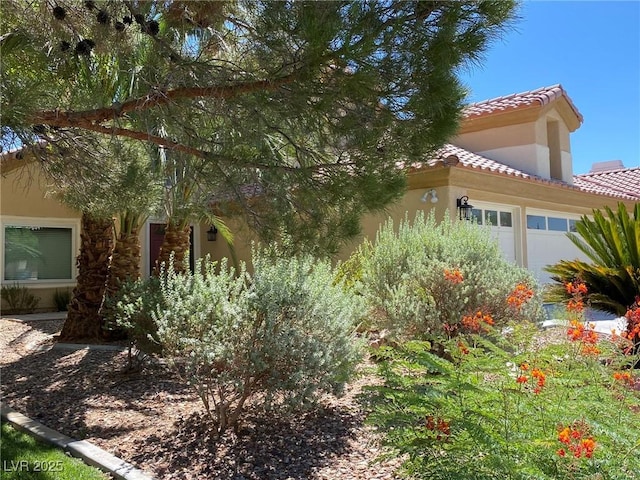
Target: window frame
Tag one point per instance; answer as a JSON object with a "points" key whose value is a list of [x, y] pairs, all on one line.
{"points": [[68, 223]]}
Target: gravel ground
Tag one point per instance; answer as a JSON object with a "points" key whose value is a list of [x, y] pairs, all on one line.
{"points": [[155, 422]]}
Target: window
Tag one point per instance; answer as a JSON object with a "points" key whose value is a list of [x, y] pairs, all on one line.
{"points": [[505, 219], [557, 224], [491, 217], [476, 214], [536, 222], [572, 225], [38, 253]]}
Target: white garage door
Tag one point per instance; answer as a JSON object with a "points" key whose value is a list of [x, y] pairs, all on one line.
{"points": [[547, 242], [500, 221]]}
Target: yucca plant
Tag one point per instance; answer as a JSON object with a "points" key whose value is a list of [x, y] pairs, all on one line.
{"points": [[612, 242]]}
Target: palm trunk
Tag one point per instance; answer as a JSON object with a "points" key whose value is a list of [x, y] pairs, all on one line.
{"points": [[125, 264], [176, 241], [84, 321]]}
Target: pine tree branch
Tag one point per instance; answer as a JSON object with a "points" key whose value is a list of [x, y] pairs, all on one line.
{"points": [[143, 136], [81, 119], [170, 144]]}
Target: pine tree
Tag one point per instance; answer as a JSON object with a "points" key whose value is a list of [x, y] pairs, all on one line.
{"points": [[298, 111]]}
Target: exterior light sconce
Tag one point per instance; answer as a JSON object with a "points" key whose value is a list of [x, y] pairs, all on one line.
{"points": [[432, 193], [212, 234], [464, 209]]}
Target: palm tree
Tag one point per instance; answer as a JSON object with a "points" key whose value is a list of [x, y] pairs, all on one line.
{"points": [[121, 184], [189, 184], [612, 242], [84, 321], [138, 187]]}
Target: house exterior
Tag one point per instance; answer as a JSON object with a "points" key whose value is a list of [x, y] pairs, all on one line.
{"points": [[511, 161]]}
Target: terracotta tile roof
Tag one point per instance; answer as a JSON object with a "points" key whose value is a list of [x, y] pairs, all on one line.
{"points": [[541, 96], [623, 181], [453, 156], [450, 155]]}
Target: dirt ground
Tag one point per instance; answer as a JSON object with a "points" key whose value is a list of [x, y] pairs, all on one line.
{"points": [[157, 423]]}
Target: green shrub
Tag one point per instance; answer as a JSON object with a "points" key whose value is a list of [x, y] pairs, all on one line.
{"points": [[131, 309], [421, 279], [62, 298], [284, 332], [19, 299]]}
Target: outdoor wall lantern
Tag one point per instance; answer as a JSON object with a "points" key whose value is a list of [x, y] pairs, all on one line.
{"points": [[434, 196], [212, 234], [464, 209]]}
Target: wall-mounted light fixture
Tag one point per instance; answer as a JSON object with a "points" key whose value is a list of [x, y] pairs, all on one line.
{"points": [[432, 193], [464, 209], [212, 233]]}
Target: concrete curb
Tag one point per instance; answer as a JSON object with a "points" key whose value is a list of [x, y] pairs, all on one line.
{"points": [[84, 450]]}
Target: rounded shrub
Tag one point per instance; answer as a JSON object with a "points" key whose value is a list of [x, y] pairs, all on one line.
{"points": [[277, 336], [425, 279]]}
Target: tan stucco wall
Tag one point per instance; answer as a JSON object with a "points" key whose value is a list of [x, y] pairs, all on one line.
{"points": [[22, 193], [524, 145], [497, 137], [242, 242]]}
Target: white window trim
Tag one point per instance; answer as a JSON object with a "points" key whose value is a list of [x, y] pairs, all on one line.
{"points": [[72, 223], [552, 213], [499, 207]]}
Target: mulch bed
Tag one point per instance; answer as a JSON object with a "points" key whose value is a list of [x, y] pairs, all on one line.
{"points": [[157, 423]]}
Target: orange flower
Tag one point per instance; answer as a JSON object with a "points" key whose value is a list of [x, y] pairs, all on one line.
{"points": [[473, 323], [453, 276], [576, 289], [439, 425], [589, 338], [463, 348], [624, 377], [588, 445], [565, 435], [590, 351], [633, 322], [576, 441], [540, 376], [524, 367], [575, 306], [430, 423], [519, 296], [443, 426], [522, 379]]}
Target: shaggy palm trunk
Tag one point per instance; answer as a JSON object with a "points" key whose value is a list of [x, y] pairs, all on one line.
{"points": [[125, 263], [84, 321], [125, 266], [176, 241]]}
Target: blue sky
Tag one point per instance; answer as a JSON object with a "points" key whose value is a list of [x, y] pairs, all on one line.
{"points": [[592, 48]]}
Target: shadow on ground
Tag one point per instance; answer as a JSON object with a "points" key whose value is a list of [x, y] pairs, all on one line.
{"points": [[156, 422]]}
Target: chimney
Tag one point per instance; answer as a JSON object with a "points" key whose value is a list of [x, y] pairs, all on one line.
{"points": [[606, 166]]}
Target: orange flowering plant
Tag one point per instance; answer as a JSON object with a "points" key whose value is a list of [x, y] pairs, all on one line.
{"points": [[576, 440], [556, 404]]}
